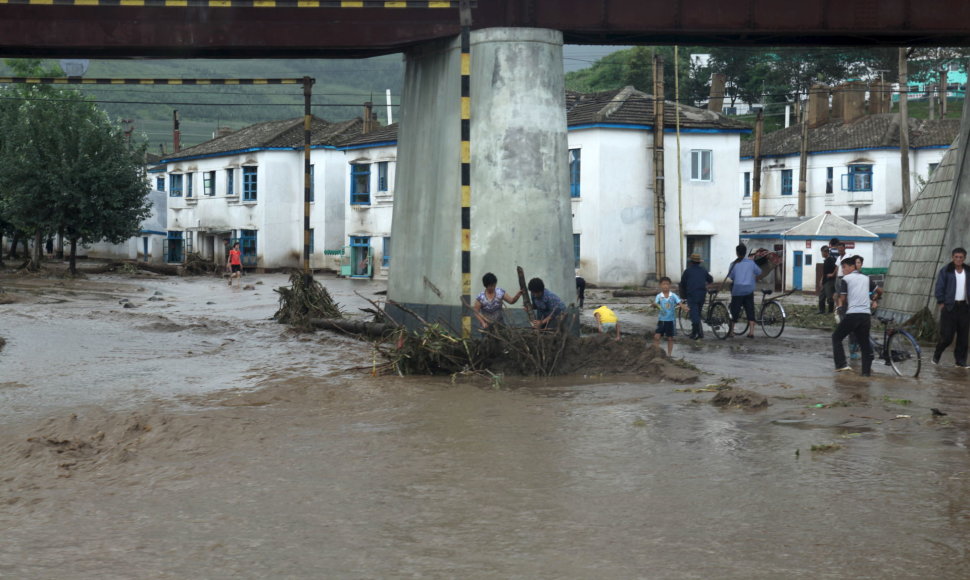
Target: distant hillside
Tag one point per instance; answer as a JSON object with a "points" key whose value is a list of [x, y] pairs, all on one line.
{"points": [[341, 88]]}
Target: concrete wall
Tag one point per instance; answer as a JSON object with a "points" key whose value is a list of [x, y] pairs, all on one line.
{"points": [[519, 181]]}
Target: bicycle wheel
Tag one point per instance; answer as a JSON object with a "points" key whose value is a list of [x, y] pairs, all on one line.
{"points": [[772, 319], [719, 319], [904, 354], [683, 320]]}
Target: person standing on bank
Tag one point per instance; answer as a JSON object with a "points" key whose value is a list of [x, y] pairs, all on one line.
{"points": [[234, 263], [854, 297], [489, 304], [951, 296], [826, 293], [693, 287], [744, 272]]}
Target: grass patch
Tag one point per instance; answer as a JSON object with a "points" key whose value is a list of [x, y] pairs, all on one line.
{"points": [[888, 399]]}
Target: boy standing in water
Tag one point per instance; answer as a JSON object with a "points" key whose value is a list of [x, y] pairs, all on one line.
{"points": [[667, 302]]}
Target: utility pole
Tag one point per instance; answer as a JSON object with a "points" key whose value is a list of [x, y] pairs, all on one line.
{"points": [[759, 126], [660, 202], [803, 164], [904, 128]]}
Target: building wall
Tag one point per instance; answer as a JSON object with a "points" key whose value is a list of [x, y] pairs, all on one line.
{"points": [[885, 197], [152, 228], [373, 220], [615, 214]]}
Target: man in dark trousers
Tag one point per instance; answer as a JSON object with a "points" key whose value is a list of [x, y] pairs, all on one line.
{"points": [[951, 296], [693, 287], [826, 293], [854, 297]]}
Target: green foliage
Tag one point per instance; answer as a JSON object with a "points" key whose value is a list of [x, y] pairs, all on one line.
{"points": [[634, 67]]}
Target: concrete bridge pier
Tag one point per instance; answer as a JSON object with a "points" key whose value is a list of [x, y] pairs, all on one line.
{"points": [[519, 184]]}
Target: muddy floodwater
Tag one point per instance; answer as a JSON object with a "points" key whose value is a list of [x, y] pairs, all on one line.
{"points": [[188, 436]]}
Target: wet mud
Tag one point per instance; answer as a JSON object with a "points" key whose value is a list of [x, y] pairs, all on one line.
{"points": [[194, 437]]}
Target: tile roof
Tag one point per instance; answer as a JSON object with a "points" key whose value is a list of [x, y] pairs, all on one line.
{"points": [[630, 106], [379, 135], [285, 133], [869, 132]]}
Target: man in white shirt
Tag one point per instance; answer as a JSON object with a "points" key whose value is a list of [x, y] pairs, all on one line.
{"points": [[951, 296], [853, 296]]}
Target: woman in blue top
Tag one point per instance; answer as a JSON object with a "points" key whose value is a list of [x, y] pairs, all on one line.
{"points": [[744, 272]]}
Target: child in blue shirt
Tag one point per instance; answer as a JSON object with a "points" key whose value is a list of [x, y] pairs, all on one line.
{"points": [[667, 302]]}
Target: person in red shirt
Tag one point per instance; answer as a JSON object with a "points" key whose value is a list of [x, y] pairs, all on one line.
{"points": [[234, 265]]}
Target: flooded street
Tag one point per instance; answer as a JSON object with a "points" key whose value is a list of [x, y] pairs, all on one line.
{"points": [[191, 437]]}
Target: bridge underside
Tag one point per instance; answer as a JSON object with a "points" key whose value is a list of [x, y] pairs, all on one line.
{"points": [[61, 29]]}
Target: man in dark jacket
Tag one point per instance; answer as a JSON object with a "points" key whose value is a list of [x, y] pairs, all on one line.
{"points": [[826, 291], [693, 287], [951, 296]]}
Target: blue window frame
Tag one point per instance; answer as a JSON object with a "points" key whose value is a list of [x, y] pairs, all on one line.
{"points": [[175, 185], [312, 183], [360, 184], [209, 183], [747, 184], [786, 181], [188, 185], [575, 156], [575, 250], [249, 183], [174, 249], [311, 241], [247, 247], [360, 256], [230, 182], [382, 176], [386, 250], [828, 179], [160, 183], [859, 178]]}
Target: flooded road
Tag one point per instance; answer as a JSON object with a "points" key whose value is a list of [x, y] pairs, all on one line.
{"points": [[186, 439]]}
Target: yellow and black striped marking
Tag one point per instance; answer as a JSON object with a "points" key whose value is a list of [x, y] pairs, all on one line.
{"points": [[466, 178], [94, 81], [245, 3]]}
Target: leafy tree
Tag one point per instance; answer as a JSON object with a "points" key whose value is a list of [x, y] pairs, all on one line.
{"points": [[634, 67], [64, 167]]}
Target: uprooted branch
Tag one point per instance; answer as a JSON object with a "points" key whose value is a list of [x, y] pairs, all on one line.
{"points": [[304, 300]]}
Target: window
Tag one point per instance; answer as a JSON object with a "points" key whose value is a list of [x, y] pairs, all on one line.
{"points": [[360, 183], [249, 183], [382, 176], [574, 172], [360, 256], [575, 250], [386, 258], [230, 182], [311, 241], [859, 178], [247, 247], [175, 185], [747, 184], [160, 183], [828, 180], [312, 183], [786, 181], [209, 183], [933, 167], [700, 165], [188, 185]]}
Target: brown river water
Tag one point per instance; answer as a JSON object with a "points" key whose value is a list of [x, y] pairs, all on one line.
{"points": [[191, 437]]}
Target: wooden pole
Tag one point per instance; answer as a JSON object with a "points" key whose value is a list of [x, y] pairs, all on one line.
{"points": [[803, 166], [756, 171], [660, 202], [307, 131], [904, 128]]}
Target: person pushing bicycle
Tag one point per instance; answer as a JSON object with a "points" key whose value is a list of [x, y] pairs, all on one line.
{"points": [[853, 297]]}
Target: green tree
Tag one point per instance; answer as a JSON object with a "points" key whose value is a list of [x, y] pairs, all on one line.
{"points": [[634, 67], [64, 167]]}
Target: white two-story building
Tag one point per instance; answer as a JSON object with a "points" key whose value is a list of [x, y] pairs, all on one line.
{"points": [[248, 186]]}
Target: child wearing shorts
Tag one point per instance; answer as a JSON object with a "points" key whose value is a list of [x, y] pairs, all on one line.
{"points": [[667, 302]]}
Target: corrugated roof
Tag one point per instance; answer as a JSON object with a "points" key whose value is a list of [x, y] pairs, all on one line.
{"points": [[830, 226], [871, 131], [762, 226], [630, 106], [284, 133]]}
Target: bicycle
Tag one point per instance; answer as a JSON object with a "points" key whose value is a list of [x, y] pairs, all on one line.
{"points": [[771, 316], [898, 349], [718, 317]]}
